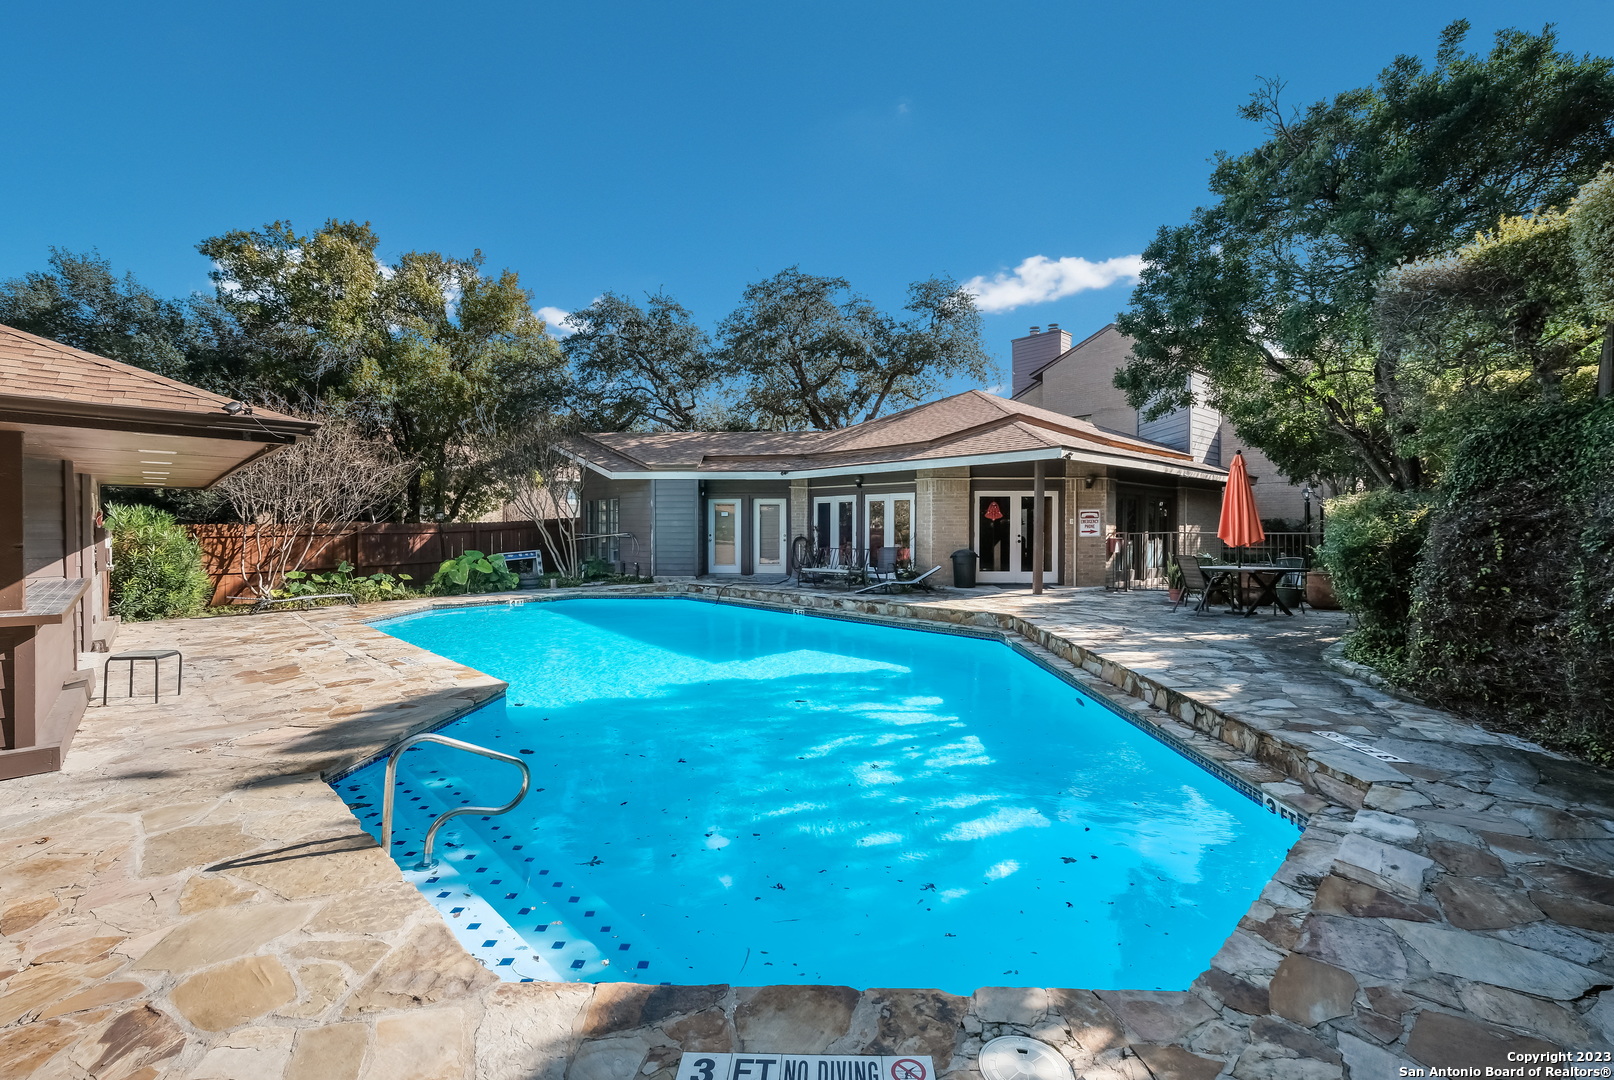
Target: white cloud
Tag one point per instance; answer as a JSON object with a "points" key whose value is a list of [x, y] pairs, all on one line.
{"points": [[555, 319], [1040, 279]]}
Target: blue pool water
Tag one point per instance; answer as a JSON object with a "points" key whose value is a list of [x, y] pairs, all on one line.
{"points": [[728, 795]]}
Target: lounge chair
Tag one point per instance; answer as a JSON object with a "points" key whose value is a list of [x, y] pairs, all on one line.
{"points": [[895, 583]]}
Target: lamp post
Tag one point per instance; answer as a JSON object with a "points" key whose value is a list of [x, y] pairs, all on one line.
{"points": [[1305, 494]]}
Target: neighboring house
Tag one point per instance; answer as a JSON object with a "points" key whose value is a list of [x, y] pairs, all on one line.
{"points": [[1079, 380], [955, 473], [71, 421]]}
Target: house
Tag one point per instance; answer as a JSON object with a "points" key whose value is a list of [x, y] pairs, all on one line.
{"points": [[949, 474], [1051, 373], [71, 421]]}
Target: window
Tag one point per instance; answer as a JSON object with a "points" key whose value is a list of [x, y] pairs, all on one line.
{"points": [[601, 518]]}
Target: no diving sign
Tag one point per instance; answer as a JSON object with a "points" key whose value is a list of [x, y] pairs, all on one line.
{"points": [[759, 1066]]}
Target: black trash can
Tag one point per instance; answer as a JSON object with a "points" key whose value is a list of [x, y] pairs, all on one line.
{"points": [[964, 561]]}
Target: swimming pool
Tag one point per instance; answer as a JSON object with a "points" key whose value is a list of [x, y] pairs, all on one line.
{"points": [[730, 795]]}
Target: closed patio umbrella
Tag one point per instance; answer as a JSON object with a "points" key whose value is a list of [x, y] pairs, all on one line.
{"points": [[1240, 526]]}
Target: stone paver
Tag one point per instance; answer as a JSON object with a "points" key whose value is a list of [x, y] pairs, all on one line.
{"points": [[189, 898]]}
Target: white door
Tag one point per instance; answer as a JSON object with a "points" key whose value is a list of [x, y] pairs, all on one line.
{"points": [[1003, 536], [832, 529], [888, 522], [769, 543], [723, 536]]}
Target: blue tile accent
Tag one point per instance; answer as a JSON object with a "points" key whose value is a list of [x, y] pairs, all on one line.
{"points": [[558, 945], [442, 896], [576, 964], [623, 948], [523, 911], [506, 961], [643, 964], [489, 943], [455, 911], [573, 899], [473, 926]]}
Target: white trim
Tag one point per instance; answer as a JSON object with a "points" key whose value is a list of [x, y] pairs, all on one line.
{"points": [[738, 502], [1192, 470], [756, 534]]}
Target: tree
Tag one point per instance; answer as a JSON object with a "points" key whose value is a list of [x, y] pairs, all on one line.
{"points": [[1268, 293], [1591, 237], [634, 366], [467, 363], [814, 354], [289, 497], [80, 302], [428, 352], [545, 483]]}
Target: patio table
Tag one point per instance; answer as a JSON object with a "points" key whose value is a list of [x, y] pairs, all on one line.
{"points": [[1265, 575]]}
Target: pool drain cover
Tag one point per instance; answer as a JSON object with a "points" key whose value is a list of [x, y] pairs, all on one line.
{"points": [[1015, 1057]]}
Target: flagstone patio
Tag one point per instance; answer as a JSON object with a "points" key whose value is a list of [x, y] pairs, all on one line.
{"points": [[190, 899]]}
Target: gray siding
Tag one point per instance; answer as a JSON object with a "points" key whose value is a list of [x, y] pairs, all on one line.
{"points": [[633, 509], [678, 527], [1170, 430]]}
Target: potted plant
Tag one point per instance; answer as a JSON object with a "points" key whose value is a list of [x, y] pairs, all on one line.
{"points": [[1175, 582]]}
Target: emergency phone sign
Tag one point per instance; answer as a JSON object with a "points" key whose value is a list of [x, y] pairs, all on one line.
{"points": [[1089, 523]]}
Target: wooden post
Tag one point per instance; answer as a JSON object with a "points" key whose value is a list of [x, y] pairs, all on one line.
{"points": [[13, 568], [1038, 524]]}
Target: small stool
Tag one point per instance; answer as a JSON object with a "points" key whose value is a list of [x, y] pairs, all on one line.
{"points": [[156, 656]]}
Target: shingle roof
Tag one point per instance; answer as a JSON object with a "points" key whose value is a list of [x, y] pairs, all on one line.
{"points": [[965, 425], [36, 367]]}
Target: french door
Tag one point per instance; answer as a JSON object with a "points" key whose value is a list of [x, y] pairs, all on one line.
{"points": [[769, 543], [1003, 535], [888, 522], [833, 527], [723, 536]]}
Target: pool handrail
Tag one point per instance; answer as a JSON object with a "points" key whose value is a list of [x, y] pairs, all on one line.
{"points": [[426, 860]]}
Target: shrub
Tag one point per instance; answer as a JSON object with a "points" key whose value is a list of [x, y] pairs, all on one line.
{"points": [[1515, 605], [366, 588], [1374, 543], [472, 572], [156, 565]]}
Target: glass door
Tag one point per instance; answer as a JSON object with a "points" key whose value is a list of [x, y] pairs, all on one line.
{"points": [[889, 524], [1004, 536], [769, 555], [723, 536], [833, 529]]}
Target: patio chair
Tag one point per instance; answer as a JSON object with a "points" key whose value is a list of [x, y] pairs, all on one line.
{"points": [[1194, 574], [1193, 582], [1296, 580]]}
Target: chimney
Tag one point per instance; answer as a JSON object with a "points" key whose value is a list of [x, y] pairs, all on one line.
{"points": [[1035, 351]]}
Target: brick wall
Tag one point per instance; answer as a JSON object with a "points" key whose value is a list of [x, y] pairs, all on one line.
{"points": [[941, 518]]}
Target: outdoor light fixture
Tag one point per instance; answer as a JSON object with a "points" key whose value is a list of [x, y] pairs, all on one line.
{"points": [[858, 481], [1087, 481], [236, 408]]}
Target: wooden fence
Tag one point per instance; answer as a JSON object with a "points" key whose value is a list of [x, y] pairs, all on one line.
{"points": [[230, 552]]}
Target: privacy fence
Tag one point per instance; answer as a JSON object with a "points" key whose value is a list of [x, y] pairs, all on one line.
{"points": [[233, 553], [1139, 560]]}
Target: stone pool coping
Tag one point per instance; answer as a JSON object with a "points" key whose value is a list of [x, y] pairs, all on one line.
{"points": [[190, 899]]}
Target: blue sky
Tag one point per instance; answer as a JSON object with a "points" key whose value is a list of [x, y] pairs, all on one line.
{"points": [[696, 147]]}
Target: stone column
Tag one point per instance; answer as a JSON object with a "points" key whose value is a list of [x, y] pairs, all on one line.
{"points": [[941, 518], [1092, 557]]}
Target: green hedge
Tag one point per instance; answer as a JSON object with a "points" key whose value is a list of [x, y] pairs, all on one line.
{"points": [[1513, 621], [156, 565], [1374, 543]]}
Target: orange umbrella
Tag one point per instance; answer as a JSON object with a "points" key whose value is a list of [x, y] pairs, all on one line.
{"points": [[1241, 523]]}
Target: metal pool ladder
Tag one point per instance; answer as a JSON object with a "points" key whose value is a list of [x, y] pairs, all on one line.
{"points": [[426, 860]]}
